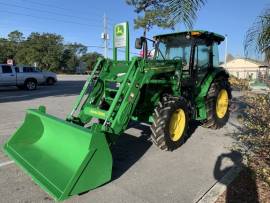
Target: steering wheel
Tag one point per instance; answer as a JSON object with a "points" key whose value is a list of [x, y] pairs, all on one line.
{"points": [[205, 65], [177, 58]]}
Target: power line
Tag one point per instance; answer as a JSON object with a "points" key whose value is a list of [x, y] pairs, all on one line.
{"points": [[52, 19], [13, 27], [51, 45], [66, 45], [62, 8], [123, 51], [20, 27], [53, 6], [45, 11], [88, 46], [48, 5]]}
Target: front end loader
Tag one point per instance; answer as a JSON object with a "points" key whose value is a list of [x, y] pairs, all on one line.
{"points": [[181, 82]]}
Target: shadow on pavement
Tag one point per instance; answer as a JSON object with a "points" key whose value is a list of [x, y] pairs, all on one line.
{"points": [[129, 149], [243, 188], [62, 88], [193, 125]]}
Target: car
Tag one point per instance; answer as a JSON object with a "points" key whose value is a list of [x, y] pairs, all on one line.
{"points": [[50, 77], [18, 76]]}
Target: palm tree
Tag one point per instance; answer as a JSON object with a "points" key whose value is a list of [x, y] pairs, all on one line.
{"points": [[165, 13], [258, 36], [184, 11]]}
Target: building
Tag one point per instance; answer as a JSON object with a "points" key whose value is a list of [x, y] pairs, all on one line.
{"points": [[247, 68]]}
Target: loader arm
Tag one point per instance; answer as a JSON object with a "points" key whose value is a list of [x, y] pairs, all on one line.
{"points": [[120, 106]]}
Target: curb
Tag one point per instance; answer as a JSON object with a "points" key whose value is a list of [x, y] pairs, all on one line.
{"points": [[220, 186]]}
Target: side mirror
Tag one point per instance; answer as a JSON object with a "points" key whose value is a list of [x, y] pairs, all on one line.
{"points": [[138, 43]]}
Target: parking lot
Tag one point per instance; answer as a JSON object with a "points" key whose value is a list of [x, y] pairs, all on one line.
{"points": [[141, 172]]}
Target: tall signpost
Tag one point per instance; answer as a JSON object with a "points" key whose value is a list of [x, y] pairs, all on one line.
{"points": [[121, 39]]}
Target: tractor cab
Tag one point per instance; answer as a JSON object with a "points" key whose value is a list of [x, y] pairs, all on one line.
{"points": [[198, 51]]}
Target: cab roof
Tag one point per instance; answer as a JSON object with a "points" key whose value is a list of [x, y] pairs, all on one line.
{"points": [[197, 33]]}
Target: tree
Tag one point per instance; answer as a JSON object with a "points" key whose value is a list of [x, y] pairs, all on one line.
{"points": [[16, 37], [71, 55], [4, 50], [69, 60], [258, 36], [43, 49], [184, 11], [90, 59], [77, 48], [10, 46], [154, 13], [46, 50], [165, 13], [15, 40]]}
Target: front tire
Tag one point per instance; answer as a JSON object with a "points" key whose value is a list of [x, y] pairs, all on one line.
{"points": [[218, 104], [170, 123]]}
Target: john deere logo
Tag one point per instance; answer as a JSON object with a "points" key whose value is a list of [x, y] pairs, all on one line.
{"points": [[120, 35], [119, 30]]}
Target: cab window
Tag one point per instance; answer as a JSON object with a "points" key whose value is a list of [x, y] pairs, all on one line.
{"points": [[174, 48], [201, 58], [215, 55]]}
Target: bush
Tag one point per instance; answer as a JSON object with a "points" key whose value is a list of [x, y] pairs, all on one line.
{"points": [[256, 123], [238, 84]]}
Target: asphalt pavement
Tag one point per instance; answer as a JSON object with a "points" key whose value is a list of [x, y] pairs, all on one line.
{"points": [[141, 172]]}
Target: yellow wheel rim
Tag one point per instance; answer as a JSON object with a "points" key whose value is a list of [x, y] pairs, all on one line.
{"points": [[177, 124], [222, 103]]}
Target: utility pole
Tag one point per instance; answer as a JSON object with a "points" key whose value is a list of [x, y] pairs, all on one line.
{"points": [[105, 35], [226, 50]]}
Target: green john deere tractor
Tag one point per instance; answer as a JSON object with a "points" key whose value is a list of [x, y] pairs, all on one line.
{"points": [[179, 81]]}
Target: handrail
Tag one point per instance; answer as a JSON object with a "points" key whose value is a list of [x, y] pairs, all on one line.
{"points": [[85, 87]]}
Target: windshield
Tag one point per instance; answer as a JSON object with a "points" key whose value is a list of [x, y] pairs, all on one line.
{"points": [[174, 48]]}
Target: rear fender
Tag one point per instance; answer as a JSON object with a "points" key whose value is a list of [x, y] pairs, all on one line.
{"points": [[203, 90]]}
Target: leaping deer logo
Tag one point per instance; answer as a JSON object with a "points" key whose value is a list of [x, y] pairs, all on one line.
{"points": [[119, 30]]}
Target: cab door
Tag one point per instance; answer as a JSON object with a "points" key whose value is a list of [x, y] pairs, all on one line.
{"points": [[202, 60], [7, 75]]}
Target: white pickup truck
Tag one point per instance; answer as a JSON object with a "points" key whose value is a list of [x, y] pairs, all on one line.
{"points": [[15, 76]]}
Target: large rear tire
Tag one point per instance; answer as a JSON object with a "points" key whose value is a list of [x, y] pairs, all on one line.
{"points": [[218, 104], [170, 123]]}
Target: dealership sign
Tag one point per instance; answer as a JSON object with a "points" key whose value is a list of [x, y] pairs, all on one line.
{"points": [[120, 35]]}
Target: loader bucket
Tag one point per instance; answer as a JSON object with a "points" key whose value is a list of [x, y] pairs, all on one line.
{"points": [[63, 158]]}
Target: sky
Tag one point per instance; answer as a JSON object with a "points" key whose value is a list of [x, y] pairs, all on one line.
{"points": [[82, 20]]}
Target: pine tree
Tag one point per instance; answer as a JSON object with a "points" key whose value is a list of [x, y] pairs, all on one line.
{"points": [[154, 12]]}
